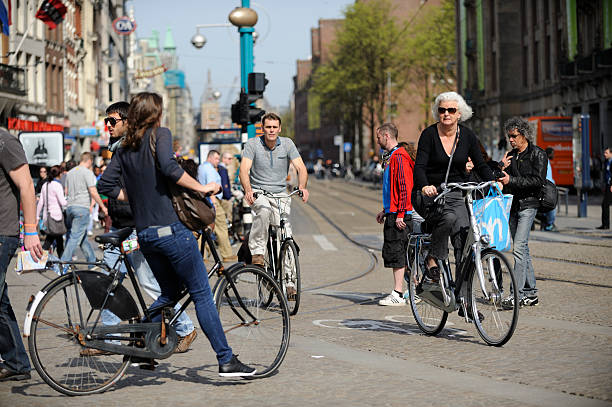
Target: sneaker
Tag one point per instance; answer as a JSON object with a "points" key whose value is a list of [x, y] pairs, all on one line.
{"points": [[530, 301], [432, 275], [551, 228], [235, 368], [144, 363], [185, 342], [508, 303], [417, 299], [258, 260], [392, 300]]}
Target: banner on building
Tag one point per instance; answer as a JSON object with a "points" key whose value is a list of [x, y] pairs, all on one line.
{"points": [[27, 125], [43, 148], [149, 73], [51, 12]]}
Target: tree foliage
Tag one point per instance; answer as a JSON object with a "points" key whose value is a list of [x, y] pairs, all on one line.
{"points": [[373, 46]]}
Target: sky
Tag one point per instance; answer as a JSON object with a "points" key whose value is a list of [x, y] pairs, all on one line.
{"points": [[284, 37]]}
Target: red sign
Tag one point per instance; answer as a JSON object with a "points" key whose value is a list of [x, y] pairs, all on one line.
{"points": [[27, 125]]}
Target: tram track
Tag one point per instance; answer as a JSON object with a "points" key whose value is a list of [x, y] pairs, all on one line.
{"points": [[339, 187]]}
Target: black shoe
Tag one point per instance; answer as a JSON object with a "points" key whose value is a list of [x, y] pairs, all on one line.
{"points": [[530, 301], [235, 368], [144, 363], [6, 375], [603, 227], [470, 316]]}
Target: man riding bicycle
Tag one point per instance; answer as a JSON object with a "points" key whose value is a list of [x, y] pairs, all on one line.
{"points": [[264, 167]]}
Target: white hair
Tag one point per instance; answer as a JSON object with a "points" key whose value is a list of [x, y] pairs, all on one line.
{"points": [[464, 108]]}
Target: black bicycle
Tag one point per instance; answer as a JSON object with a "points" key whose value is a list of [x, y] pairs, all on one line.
{"points": [[64, 318], [282, 260], [486, 271]]}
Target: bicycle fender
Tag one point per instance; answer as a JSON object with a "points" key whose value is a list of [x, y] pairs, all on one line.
{"points": [[120, 302], [30, 309]]}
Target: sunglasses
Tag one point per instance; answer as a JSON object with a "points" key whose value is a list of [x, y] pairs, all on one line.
{"points": [[451, 110], [111, 121]]}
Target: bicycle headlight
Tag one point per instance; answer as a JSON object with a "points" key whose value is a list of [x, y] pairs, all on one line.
{"points": [[485, 240]]}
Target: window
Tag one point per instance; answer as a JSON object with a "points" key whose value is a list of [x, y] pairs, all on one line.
{"points": [[547, 58], [525, 62], [536, 77]]}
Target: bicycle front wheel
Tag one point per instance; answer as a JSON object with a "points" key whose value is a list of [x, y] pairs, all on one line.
{"points": [[54, 345], [290, 265], [255, 318], [430, 319], [495, 324]]}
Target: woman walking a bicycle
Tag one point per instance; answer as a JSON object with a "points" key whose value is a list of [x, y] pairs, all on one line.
{"points": [[169, 247], [443, 151]]}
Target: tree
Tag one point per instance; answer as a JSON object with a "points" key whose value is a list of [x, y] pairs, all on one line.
{"points": [[430, 63]]}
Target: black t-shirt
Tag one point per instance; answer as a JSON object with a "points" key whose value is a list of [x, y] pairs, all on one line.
{"points": [[432, 161], [12, 156]]}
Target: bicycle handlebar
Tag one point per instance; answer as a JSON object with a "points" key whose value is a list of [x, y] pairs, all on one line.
{"points": [[271, 195], [465, 186]]}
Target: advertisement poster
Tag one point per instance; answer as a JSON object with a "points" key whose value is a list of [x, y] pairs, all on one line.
{"points": [[43, 148]]}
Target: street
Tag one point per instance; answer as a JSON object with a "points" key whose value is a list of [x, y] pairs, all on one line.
{"points": [[346, 350]]}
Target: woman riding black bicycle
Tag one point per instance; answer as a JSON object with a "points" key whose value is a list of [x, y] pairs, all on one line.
{"points": [[168, 246], [437, 144]]}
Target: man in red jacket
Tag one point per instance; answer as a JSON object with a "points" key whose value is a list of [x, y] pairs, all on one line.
{"points": [[397, 209]]}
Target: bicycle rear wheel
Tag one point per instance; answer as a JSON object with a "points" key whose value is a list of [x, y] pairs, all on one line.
{"points": [[55, 349], [498, 324], [430, 319], [261, 343], [290, 266]]}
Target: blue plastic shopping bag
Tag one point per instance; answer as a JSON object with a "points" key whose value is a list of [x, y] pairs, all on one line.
{"points": [[493, 214]]}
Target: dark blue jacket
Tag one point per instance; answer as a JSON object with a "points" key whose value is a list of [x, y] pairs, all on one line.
{"points": [[225, 182]]}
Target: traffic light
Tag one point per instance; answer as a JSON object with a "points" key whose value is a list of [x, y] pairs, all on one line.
{"points": [[243, 112]]}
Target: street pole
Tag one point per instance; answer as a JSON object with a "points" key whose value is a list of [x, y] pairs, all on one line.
{"points": [[246, 67]]}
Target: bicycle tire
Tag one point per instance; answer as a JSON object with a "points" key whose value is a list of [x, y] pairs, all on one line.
{"points": [[55, 353], [498, 324], [430, 320], [262, 345], [289, 248]]}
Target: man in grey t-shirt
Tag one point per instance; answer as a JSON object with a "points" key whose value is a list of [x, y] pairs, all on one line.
{"points": [[264, 167], [80, 190]]}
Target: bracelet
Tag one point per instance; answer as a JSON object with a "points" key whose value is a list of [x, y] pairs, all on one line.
{"points": [[31, 233]]}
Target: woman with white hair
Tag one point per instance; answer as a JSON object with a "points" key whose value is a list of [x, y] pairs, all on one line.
{"points": [[437, 144]]}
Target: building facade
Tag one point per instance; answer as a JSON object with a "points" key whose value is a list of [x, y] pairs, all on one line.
{"points": [[536, 58]]}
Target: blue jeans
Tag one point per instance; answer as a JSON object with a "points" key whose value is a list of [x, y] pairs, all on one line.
{"points": [[520, 226], [11, 346], [77, 219], [146, 279], [173, 255], [550, 217]]}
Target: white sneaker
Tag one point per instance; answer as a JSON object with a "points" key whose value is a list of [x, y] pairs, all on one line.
{"points": [[392, 300]]}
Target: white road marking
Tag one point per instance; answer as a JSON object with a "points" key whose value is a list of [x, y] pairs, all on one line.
{"points": [[324, 243]]}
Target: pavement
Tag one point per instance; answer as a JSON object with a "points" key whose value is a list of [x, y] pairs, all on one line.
{"points": [[346, 350]]}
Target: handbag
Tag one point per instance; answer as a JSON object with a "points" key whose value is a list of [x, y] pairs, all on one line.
{"points": [[492, 215], [54, 227], [425, 205], [191, 207], [548, 196]]}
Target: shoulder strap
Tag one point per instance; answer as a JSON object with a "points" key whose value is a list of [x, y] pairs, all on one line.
{"points": [[450, 160], [46, 184]]}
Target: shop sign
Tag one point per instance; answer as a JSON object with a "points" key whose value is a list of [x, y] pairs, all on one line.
{"points": [[124, 25]]}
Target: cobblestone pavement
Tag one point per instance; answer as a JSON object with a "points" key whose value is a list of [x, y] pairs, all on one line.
{"points": [[348, 351]]}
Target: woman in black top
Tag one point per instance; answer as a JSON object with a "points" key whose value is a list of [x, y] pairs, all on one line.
{"points": [[168, 246], [435, 147]]}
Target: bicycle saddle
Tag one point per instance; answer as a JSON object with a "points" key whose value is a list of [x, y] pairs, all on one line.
{"points": [[115, 238]]}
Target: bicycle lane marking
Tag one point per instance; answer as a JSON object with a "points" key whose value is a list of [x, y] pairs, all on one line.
{"points": [[324, 243]]}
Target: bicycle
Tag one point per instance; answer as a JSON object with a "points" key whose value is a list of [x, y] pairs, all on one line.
{"points": [[64, 318], [484, 269], [282, 260]]}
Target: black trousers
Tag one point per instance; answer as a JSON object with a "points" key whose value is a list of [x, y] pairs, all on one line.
{"points": [[59, 243], [605, 207]]}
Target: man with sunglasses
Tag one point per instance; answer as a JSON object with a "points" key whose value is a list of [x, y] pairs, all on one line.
{"points": [[523, 176]]}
